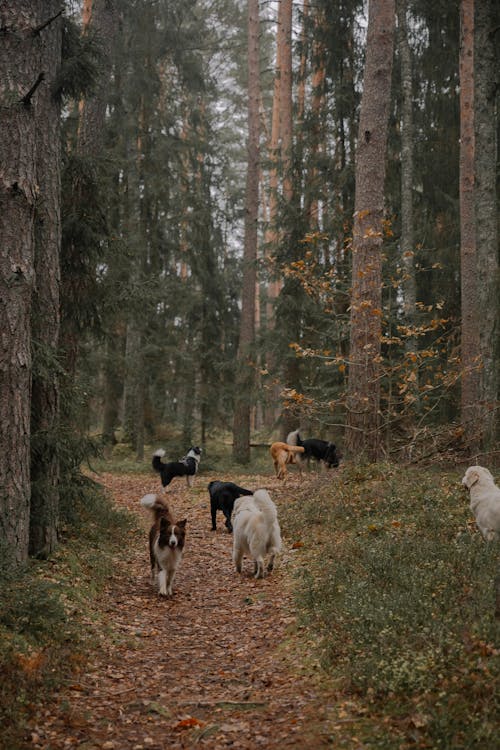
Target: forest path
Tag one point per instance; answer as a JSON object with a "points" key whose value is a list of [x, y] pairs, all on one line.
{"points": [[212, 667]]}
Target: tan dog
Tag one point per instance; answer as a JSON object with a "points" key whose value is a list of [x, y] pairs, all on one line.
{"points": [[284, 454], [484, 501]]}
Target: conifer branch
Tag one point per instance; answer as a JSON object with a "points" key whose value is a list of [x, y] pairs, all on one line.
{"points": [[26, 100], [42, 26]]}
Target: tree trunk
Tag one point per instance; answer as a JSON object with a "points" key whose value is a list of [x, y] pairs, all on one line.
{"points": [[45, 317], [363, 398], [486, 26], [468, 256], [407, 175], [311, 203], [101, 17], [19, 80], [286, 119], [245, 380]]}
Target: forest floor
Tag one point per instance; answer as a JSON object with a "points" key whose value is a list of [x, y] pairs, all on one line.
{"points": [[215, 666]]}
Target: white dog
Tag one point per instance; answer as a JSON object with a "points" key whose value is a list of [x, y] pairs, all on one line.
{"points": [[256, 531], [484, 501]]}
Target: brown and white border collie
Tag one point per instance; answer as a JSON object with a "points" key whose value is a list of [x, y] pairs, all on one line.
{"points": [[166, 542]]}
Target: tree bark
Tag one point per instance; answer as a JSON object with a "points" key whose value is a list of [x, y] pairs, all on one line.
{"points": [[407, 174], [19, 70], [363, 398], [486, 26], [45, 319], [101, 16], [468, 255], [245, 380]]}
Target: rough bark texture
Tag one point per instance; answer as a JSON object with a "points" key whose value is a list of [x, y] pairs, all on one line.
{"points": [[101, 17], [407, 173], [363, 400], [45, 313], [286, 122], [487, 20], [468, 259], [19, 72], [245, 376]]}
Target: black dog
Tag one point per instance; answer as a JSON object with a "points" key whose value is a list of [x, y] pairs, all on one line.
{"points": [[222, 497], [186, 467], [321, 450]]}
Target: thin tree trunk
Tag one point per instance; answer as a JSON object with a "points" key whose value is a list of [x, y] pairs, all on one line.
{"points": [[486, 31], [45, 319], [19, 81], [407, 174], [271, 237], [245, 380], [311, 209], [101, 17], [363, 400], [468, 255], [286, 121]]}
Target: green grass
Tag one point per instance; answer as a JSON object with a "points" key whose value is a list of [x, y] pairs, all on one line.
{"points": [[397, 588], [216, 457], [49, 611]]}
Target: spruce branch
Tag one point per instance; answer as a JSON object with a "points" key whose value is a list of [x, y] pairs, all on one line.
{"points": [[26, 99], [36, 31]]}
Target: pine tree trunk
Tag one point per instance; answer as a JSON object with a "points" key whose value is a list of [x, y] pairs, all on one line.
{"points": [[468, 255], [45, 317], [19, 80], [245, 380], [311, 204], [407, 174], [487, 23], [286, 110], [363, 400], [101, 17]]}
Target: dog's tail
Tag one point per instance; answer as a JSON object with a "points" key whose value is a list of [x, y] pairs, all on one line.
{"points": [[156, 504], [293, 438], [262, 500], [243, 492], [157, 457]]}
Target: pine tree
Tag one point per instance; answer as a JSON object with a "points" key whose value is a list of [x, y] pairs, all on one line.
{"points": [[45, 318], [246, 356], [366, 303], [20, 79], [470, 321]]}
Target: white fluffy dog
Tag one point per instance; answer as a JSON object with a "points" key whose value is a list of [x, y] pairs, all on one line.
{"points": [[484, 501], [256, 531]]}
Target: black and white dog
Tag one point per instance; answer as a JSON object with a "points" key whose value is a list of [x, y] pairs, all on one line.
{"points": [[321, 450], [222, 497], [185, 467]]}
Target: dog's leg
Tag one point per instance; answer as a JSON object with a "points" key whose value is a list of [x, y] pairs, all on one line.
{"points": [[162, 581], [152, 560], [237, 559], [229, 525], [189, 478], [213, 513], [270, 564], [170, 581], [259, 568]]}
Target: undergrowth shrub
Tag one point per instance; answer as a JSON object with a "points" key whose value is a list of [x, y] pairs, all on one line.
{"points": [[45, 620], [399, 586]]}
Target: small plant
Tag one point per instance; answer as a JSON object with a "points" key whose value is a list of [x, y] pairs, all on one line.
{"points": [[400, 588]]}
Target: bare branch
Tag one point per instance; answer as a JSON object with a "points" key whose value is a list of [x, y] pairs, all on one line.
{"points": [[26, 99], [42, 26]]}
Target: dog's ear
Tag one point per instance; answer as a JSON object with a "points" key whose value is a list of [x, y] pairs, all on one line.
{"points": [[470, 478], [182, 524]]}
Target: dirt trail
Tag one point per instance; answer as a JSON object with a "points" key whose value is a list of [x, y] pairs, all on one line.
{"points": [[209, 668]]}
